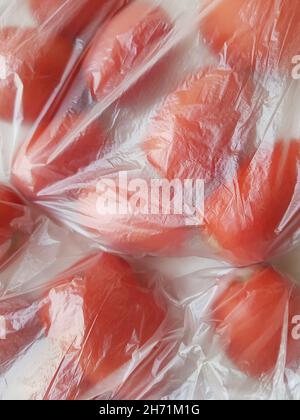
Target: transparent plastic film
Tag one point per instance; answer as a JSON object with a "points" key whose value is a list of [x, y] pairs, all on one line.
{"points": [[149, 199]]}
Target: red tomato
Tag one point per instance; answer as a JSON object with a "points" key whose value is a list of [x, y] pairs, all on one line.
{"points": [[101, 316], [134, 231], [197, 133], [244, 217], [251, 319], [72, 17], [125, 43], [19, 328], [31, 68], [263, 34], [56, 151], [11, 235]]}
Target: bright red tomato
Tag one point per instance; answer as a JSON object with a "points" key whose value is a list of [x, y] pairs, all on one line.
{"points": [[244, 217], [251, 319], [31, 68], [71, 17], [132, 231], [56, 151], [255, 33], [101, 316], [126, 41], [12, 237], [196, 134]]}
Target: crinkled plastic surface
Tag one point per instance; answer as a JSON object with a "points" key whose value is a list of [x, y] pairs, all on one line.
{"points": [[17, 224], [89, 322], [97, 100]]}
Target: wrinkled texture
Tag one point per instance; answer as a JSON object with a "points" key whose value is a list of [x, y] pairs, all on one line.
{"points": [[16, 224], [79, 313], [135, 230], [245, 217], [32, 66], [250, 320], [199, 303], [76, 312], [54, 152], [202, 127]]}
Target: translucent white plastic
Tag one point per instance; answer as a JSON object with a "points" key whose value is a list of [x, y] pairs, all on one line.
{"points": [[167, 90]]}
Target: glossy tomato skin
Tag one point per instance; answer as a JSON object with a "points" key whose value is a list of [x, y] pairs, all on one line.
{"points": [[72, 17], [196, 134], [33, 66], [245, 216], [12, 210], [251, 317], [125, 42], [127, 229], [255, 34], [57, 150], [100, 315]]}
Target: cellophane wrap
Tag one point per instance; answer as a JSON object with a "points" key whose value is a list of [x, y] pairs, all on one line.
{"points": [[110, 288]]}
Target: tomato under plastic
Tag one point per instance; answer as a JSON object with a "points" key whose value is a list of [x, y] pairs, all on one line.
{"points": [[101, 316], [123, 220], [19, 328], [263, 35], [56, 151], [197, 134], [32, 66], [72, 17], [125, 42], [254, 317], [245, 216]]}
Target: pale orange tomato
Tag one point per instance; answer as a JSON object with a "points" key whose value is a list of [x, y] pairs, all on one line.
{"points": [[123, 44], [72, 17], [12, 236], [100, 315], [57, 150], [32, 66], [244, 217], [263, 35], [132, 230], [19, 328], [251, 317]]}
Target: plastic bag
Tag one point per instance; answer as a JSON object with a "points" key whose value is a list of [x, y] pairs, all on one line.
{"points": [[17, 223], [150, 100], [242, 332], [150, 128], [89, 323], [216, 333]]}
